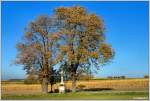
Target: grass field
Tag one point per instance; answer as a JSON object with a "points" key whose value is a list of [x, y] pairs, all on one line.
{"points": [[80, 95], [116, 89]]}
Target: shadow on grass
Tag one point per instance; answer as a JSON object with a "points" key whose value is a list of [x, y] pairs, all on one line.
{"points": [[96, 89], [78, 90]]}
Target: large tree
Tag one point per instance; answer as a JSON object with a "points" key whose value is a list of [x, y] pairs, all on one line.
{"points": [[38, 49], [83, 41]]}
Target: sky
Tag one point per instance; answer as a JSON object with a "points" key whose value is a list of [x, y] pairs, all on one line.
{"points": [[126, 26]]}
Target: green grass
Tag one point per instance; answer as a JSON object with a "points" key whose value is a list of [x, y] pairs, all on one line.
{"points": [[103, 95]]}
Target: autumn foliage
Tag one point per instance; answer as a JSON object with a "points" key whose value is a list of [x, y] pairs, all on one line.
{"points": [[83, 39], [71, 36]]}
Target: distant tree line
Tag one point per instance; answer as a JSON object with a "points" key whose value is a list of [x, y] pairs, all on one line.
{"points": [[116, 77]]}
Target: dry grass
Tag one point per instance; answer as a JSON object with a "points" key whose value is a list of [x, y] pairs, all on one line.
{"points": [[125, 85]]}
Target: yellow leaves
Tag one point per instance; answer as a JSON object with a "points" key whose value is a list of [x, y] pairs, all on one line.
{"points": [[88, 33], [106, 51], [75, 19], [83, 60], [37, 46], [94, 21], [64, 48], [94, 54], [77, 9], [84, 55], [70, 56], [83, 51], [71, 15], [48, 55], [61, 12]]}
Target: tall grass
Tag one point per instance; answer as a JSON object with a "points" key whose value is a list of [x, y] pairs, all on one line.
{"points": [[120, 85]]}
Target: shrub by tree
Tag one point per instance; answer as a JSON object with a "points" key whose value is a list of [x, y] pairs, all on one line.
{"points": [[146, 76]]}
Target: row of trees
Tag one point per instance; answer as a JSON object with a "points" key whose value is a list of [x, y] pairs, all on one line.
{"points": [[116, 77], [71, 39]]}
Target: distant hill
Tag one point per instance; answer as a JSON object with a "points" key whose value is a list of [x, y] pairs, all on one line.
{"points": [[15, 80]]}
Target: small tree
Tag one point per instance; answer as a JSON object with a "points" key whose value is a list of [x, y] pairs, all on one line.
{"points": [[83, 42]]}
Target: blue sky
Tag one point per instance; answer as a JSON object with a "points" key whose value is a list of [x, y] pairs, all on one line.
{"points": [[126, 30]]}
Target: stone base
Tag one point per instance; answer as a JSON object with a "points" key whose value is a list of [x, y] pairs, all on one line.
{"points": [[61, 89]]}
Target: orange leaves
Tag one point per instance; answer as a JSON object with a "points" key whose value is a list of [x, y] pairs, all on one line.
{"points": [[37, 46], [71, 15], [94, 54], [48, 54], [84, 55], [61, 12], [70, 56], [64, 48], [71, 35], [83, 51], [88, 33], [106, 51], [75, 19], [94, 21], [83, 59]]}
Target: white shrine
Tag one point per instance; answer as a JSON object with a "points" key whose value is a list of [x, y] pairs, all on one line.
{"points": [[62, 86]]}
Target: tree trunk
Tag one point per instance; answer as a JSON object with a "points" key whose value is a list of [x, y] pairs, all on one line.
{"points": [[45, 85], [73, 83]]}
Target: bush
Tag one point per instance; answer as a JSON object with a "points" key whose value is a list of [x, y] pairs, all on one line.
{"points": [[146, 76], [56, 90], [123, 77]]}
